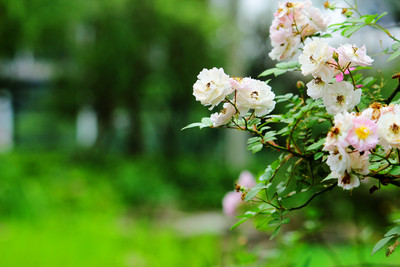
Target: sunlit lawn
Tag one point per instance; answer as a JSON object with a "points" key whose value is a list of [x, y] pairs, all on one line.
{"points": [[109, 240]]}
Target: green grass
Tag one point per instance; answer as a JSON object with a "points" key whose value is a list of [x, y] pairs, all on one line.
{"points": [[101, 240], [110, 239]]}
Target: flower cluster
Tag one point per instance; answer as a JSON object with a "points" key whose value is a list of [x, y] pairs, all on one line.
{"points": [[324, 63], [238, 94], [292, 23], [354, 136], [364, 141]]}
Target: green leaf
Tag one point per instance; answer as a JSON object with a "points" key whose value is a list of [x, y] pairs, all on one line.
{"points": [[366, 81], [267, 175], [269, 136], [394, 231], [395, 46], [395, 170], [328, 35], [381, 243], [369, 18], [254, 191], [274, 71], [275, 233], [380, 16], [288, 65], [285, 221], [274, 222], [316, 145], [394, 55], [354, 20], [275, 164], [205, 122], [256, 148], [281, 68], [239, 223], [350, 30], [329, 177], [318, 155]]}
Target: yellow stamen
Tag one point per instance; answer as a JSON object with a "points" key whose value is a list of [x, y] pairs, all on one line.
{"points": [[363, 132]]}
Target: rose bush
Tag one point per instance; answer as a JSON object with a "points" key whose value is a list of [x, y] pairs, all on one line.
{"points": [[362, 136]]}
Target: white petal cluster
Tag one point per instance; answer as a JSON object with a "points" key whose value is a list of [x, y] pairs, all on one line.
{"points": [[347, 181], [340, 97], [293, 22], [351, 55], [238, 95], [224, 116], [212, 86], [316, 88], [389, 128], [315, 60], [256, 95]]}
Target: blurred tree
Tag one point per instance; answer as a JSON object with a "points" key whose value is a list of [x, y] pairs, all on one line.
{"points": [[142, 56]]}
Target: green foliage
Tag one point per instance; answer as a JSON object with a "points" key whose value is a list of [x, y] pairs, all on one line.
{"points": [[281, 68], [352, 25], [205, 122]]}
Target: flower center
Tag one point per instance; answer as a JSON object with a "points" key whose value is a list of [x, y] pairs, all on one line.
{"points": [[340, 99], [395, 128], [362, 132], [346, 178], [254, 95]]}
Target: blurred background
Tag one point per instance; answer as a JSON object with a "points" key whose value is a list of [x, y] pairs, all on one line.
{"points": [[95, 169]]}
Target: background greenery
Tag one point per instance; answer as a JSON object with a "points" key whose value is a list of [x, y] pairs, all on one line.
{"points": [[120, 202]]}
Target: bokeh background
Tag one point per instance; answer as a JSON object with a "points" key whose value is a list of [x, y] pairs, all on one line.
{"points": [[95, 170]]}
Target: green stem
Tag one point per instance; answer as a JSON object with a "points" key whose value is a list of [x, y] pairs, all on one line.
{"points": [[313, 196], [385, 179], [390, 98]]}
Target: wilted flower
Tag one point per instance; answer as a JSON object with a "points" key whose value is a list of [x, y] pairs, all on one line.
{"points": [[211, 87]]}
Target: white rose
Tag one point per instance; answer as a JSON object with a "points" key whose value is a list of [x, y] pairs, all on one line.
{"points": [[224, 116], [351, 53], [389, 129], [360, 163], [340, 97], [314, 60], [255, 94], [211, 87], [347, 181], [339, 161], [316, 88]]}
